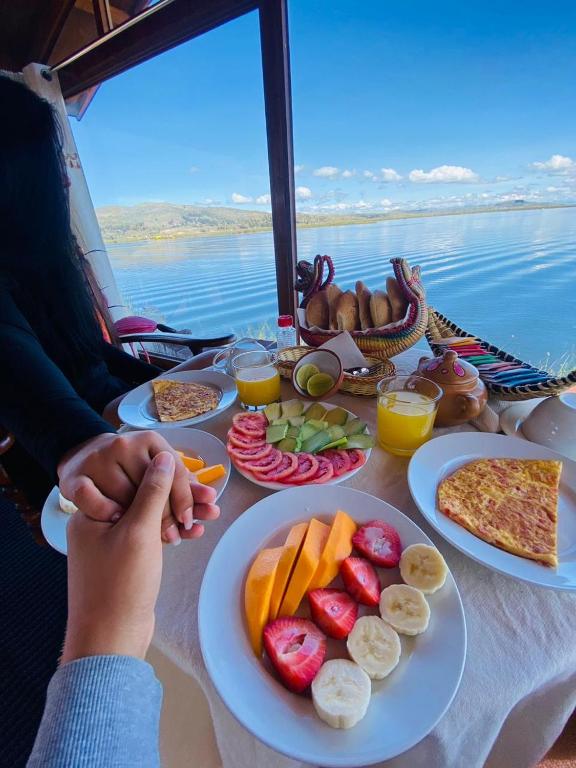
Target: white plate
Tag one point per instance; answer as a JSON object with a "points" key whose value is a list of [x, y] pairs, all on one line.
{"points": [[404, 707], [137, 409], [333, 481], [442, 456], [193, 442]]}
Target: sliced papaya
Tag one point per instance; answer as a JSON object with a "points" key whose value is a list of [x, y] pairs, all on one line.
{"points": [[305, 567], [337, 548], [257, 593], [291, 549]]}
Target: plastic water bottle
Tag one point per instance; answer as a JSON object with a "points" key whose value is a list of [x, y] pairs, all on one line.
{"points": [[286, 336]]}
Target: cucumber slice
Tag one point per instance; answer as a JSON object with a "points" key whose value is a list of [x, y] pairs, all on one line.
{"points": [[288, 444], [292, 408], [276, 432], [315, 411], [336, 432], [296, 421], [306, 431], [337, 416], [272, 412], [317, 442], [361, 441], [354, 427]]}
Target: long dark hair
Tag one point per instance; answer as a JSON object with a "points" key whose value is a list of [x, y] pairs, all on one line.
{"points": [[39, 256]]}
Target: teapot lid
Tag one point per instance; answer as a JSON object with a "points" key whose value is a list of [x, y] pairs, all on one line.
{"points": [[449, 369]]}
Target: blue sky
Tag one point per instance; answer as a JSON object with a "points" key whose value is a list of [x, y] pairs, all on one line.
{"points": [[397, 105]]}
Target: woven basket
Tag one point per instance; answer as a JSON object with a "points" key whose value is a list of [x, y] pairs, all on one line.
{"points": [[439, 327], [361, 386], [392, 339]]}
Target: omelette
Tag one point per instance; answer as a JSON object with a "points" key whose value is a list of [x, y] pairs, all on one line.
{"points": [[510, 503], [177, 400]]}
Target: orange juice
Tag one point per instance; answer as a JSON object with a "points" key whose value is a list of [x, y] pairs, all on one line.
{"points": [[405, 421], [258, 386]]}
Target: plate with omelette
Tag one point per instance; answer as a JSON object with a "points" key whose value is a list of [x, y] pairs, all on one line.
{"points": [[507, 503], [178, 399]]}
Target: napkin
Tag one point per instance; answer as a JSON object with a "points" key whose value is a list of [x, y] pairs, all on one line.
{"points": [[345, 348]]}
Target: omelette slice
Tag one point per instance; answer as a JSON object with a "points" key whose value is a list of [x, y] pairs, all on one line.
{"points": [[177, 400], [510, 503]]}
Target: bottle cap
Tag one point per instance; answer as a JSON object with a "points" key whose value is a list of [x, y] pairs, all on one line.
{"points": [[285, 321]]}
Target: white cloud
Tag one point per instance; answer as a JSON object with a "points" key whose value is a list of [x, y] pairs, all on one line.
{"points": [[348, 174], [385, 203], [389, 174], [240, 199], [303, 193], [263, 200], [369, 175], [299, 168], [444, 174], [327, 171], [193, 169], [559, 164]]}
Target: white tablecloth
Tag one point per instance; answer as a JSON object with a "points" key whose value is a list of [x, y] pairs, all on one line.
{"points": [[519, 682]]}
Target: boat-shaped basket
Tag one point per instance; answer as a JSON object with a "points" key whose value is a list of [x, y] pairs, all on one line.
{"points": [[384, 342], [361, 386], [440, 328]]}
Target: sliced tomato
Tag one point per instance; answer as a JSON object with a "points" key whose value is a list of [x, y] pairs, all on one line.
{"points": [[245, 454], [325, 470], [340, 461], [357, 457], [266, 464], [250, 424], [286, 467], [305, 471], [240, 440]]}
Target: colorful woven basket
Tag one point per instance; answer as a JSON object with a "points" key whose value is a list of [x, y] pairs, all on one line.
{"points": [[543, 385], [382, 343], [361, 386]]}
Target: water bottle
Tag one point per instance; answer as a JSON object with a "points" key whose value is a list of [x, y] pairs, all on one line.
{"points": [[286, 336]]}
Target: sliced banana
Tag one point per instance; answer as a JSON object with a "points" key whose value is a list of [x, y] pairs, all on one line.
{"points": [[341, 693], [423, 567], [405, 608], [375, 646], [66, 505]]}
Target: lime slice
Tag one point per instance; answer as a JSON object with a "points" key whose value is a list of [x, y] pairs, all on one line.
{"points": [[320, 383], [304, 373]]}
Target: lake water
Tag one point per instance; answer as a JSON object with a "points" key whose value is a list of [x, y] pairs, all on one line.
{"points": [[509, 277]]}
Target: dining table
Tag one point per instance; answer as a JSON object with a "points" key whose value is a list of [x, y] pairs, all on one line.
{"points": [[518, 687]]}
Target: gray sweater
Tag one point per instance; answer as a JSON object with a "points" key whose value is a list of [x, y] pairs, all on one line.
{"points": [[100, 711]]}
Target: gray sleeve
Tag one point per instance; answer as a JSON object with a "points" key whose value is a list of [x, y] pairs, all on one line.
{"points": [[100, 711]]}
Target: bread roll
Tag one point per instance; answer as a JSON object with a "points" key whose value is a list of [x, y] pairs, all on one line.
{"points": [[347, 317], [333, 293], [397, 301], [317, 312], [364, 296], [380, 309]]}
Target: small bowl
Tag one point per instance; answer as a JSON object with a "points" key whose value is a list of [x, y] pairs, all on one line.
{"points": [[326, 362], [553, 424]]}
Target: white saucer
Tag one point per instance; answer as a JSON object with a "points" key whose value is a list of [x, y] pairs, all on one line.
{"points": [[512, 418]]}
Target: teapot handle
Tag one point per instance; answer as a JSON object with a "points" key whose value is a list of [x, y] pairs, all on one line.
{"points": [[469, 405]]}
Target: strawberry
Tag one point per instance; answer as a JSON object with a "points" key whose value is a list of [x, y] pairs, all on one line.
{"points": [[379, 542], [334, 611], [296, 648], [361, 580]]}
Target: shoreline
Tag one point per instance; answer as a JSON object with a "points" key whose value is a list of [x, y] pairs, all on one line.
{"points": [[335, 222]]}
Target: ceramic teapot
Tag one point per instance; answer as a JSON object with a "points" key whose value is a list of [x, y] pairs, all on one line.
{"points": [[465, 394]]}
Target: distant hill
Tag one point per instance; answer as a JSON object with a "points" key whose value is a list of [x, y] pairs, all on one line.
{"points": [[160, 221]]}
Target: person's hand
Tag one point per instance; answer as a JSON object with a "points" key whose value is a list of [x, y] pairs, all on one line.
{"points": [[101, 477], [114, 572]]}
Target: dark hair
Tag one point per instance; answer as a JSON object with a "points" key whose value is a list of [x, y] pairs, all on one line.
{"points": [[39, 256]]}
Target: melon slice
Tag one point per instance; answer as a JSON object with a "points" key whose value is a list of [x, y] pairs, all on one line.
{"points": [[306, 565], [257, 594], [291, 549], [338, 547]]}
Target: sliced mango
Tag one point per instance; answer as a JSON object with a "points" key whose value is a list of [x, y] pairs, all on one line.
{"points": [[305, 567], [210, 474], [291, 549], [337, 548], [257, 593], [191, 463]]}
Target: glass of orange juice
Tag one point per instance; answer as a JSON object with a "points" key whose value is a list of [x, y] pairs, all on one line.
{"points": [[257, 380], [407, 408]]}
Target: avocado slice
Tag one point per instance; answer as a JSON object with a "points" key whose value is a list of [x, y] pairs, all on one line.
{"points": [[276, 422], [293, 432], [337, 416], [318, 424], [361, 441], [315, 411], [296, 421], [341, 443], [292, 408], [354, 427], [272, 412], [317, 442], [276, 432], [307, 430], [336, 432], [287, 444]]}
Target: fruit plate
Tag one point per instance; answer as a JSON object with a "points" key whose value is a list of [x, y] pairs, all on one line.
{"points": [[401, 711], [137, 407], [333, 481], [192, 442], [444, 455]]}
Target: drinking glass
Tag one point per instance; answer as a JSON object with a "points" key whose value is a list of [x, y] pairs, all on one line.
{"points": [[257, 380], [407, 408]]}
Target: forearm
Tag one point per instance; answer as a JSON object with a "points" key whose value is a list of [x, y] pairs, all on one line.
{"points": [[100, 711]]}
